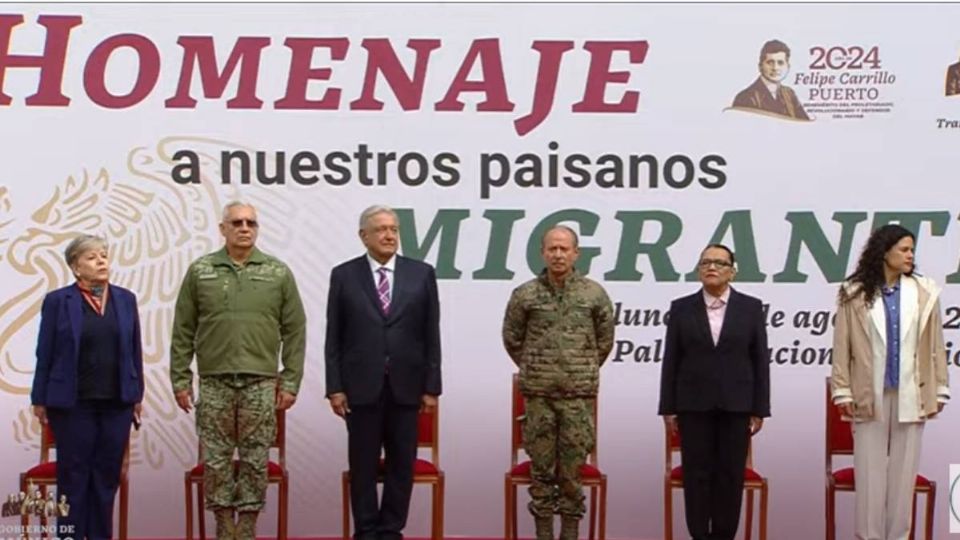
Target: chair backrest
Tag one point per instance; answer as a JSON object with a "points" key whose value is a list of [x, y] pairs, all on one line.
{"points": [[428, 431], [839, 436], [47, 442], [672, 445], [280, 441], [517, 412]]}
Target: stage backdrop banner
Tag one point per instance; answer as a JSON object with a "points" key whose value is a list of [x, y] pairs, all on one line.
{"points": [[650, 129]]}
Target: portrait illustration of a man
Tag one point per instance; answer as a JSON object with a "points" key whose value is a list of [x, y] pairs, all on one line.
{"points": [[953, 79], [768, 93]]}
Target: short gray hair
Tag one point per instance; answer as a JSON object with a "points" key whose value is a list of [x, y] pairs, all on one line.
{"points": [[234, 204], [374, 210], [80, 245], [573, 234]]}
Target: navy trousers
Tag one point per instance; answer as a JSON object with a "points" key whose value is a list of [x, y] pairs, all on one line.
{"points": [[713, 448], [393, 427], [91, 438]]}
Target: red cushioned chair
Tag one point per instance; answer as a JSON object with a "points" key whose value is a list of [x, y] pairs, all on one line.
{"points": [[276, 474], [425, 471], [839, 441], [44, 475], [519, 474], [753, 481]]}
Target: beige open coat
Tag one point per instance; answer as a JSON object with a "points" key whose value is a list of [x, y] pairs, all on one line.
{"points": [[860, 352]]}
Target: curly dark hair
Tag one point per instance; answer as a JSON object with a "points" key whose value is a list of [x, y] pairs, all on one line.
{"points": [[869, 273]]}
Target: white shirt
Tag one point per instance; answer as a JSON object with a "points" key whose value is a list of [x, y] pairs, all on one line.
{"points": [[772, 87], [390, 266]]}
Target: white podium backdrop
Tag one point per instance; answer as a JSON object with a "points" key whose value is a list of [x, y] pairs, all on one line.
{"points": [[122, 120]]}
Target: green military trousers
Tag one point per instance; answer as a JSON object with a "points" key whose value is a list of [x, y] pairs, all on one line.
{"points": [[236, 412], [558, 434]]}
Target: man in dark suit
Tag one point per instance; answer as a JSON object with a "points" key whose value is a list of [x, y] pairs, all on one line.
{"points": [[715, 388], [383, 366]]}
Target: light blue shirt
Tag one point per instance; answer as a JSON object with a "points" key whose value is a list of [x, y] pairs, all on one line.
{"points": [[891, 308]]}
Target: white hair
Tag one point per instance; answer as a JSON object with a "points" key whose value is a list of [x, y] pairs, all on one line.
{"points": [[82, 244], [374, 210], [234, 204]]}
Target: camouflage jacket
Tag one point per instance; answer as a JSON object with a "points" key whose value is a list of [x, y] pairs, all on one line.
{"points": [[238, 320], [559, 337]]}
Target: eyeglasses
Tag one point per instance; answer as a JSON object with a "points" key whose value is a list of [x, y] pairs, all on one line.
{"points": [[237, 223], [719, 263]]}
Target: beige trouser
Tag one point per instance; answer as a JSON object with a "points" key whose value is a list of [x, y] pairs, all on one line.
{"points": [[885, 461]]}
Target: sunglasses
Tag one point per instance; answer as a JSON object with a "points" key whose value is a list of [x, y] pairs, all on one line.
{"points": [[717, 263], [237, 223]]}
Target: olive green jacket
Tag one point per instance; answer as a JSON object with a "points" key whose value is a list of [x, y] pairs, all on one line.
{"points": [[238, 320]]}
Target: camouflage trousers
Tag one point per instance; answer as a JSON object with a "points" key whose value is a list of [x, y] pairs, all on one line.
{"points": [[558, 434], [236, 412]]}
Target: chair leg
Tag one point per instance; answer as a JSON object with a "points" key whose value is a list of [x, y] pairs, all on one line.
{"points": [[667, 511], [913, 518], [345, 495], [509, 509], [514, 511], [764, 491], [593, 513], [24, 518], [434, 487], [43, 517], [201, 511], [443, 504], [830, 521], [602, 533], [931, 506], [436, 532], [283, 501], [124, 505], [748, 522], [188, 505]]}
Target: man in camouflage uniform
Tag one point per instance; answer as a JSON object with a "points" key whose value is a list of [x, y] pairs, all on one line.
{"points": [[558, 329], [237, 309]]}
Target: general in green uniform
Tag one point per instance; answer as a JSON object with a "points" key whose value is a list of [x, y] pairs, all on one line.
{"points": [[238, 311]]}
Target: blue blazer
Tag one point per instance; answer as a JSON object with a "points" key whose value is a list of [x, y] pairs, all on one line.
{"points": [[58, 347]]}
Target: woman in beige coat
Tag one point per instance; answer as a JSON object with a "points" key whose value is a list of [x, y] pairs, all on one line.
{"points": [[889, 376]]}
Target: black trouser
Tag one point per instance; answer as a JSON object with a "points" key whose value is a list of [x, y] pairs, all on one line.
{"points": [[393, 427], [91, 439], [713, 447]]}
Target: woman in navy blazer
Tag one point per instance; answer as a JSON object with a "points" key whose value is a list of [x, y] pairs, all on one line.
{"points": [[88, 385]]}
